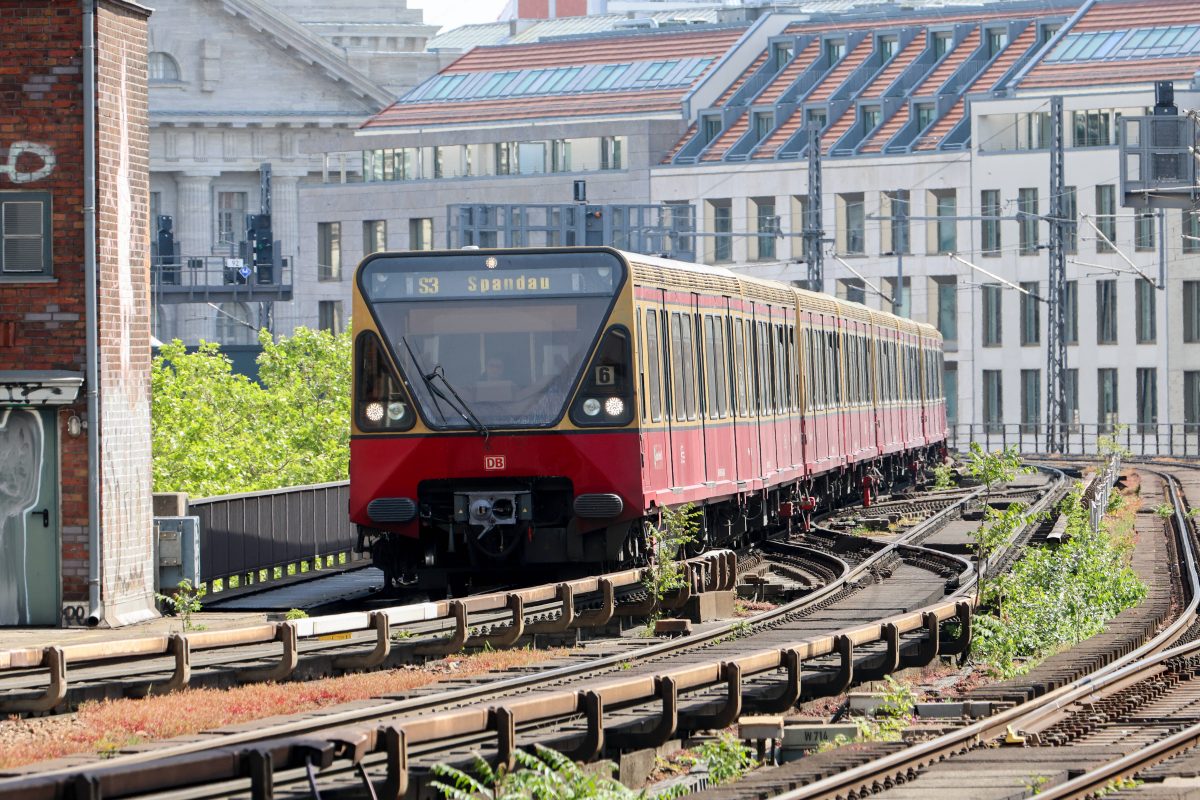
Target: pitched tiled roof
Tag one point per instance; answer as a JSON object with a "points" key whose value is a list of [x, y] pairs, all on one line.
{"points": [[421, 107]]}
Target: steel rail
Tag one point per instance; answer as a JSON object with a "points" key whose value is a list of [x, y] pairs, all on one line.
{"points": [[1122, 670], [620, 692]]}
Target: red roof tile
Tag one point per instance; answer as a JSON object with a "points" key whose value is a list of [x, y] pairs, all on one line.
{"points": [[886, 131], [687, 137], [726, 140], [780, 83], [950, 62], [1119, 15], [851, 62], [741, 79]]}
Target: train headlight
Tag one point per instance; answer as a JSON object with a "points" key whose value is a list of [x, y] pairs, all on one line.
{"points": [[614, 406], [395, 411], [591, 406], [375, 411]]}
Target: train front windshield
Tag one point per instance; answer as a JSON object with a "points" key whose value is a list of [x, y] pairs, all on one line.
{"points": [[497, 340]]}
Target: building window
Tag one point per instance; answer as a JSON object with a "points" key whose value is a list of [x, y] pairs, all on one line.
{"points": [[1106, 217], [1106, 312], [420, 233], [870, 119], [996, 40], [1143, 232], [502, 156], [712, 128], [721, 215], [1191, 231], [1191, 311], [329, 251], [161, 68], [941, 44], [1027, 209], [834, 50], [767, 227], [887, 47], [895, 232], [763, 123], [1191, 397], [374, 236], [612, 152], [1106, 400], [1070, 230], [234, 325], [1094, 128], [991, 316], [989, 200], [817, 118], [853, 290], [231, 217], [1031, 323], [926, 113], [1071, 389], [781, 53], [26, 233], [993, 401], [1031, 399], [947, 307], [950, 387], [329, 316], [155, 213], [901, 291], [1071, 313], [851, 228], [1146, 316], [1033, 131], [945, 233], [560, 156], [1147, 399], [531, 158]]}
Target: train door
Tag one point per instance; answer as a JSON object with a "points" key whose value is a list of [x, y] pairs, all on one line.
{"points": [[719, 448], [748, 466], [706, 472], [29, 520], [686, 443], [792, 362], [656, 418]]}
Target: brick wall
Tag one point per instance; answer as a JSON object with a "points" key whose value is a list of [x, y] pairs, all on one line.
{"points": [[42, 321], [123, 189]]}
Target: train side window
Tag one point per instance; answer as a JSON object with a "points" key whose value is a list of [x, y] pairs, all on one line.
{"points": [[766, 403], [689, 377], [710, 366], [739, 368], [772, 368], [810, 372], [652, 365], [721, 382], [678, 392]]}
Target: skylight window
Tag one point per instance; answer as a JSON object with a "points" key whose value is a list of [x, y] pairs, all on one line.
{"points": [[627, 76], [1161, 42]]}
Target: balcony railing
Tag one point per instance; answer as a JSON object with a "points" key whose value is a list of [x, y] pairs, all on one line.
{"points": [[1177, 439], [201, 279]]}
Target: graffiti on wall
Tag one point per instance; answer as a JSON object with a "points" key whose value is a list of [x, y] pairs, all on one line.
{"points": [[21, 455], [27, 162]]}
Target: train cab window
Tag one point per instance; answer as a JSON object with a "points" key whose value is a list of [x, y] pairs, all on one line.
{"points": [[689, 376], [653, 350]]}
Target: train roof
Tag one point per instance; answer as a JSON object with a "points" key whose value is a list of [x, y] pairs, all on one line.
{"points": [[725, 279]]}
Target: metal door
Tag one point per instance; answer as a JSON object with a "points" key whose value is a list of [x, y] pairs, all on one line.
{"points": [[29, 524]]}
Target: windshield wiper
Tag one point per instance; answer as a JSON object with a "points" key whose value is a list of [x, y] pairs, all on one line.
{"points": [[461, 407]]}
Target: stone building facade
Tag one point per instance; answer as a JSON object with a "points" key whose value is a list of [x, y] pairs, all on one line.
{"points": [[68, 445]]}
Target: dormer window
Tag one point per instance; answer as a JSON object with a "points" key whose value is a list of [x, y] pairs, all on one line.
{"points": [[941, 44], [887, 47], [162, 68], [834, 50], [782, 54]]}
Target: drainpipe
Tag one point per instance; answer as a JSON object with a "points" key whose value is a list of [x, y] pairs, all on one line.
{"points": [[91, 288]]}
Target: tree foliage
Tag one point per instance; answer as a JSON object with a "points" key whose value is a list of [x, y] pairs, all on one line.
{"points": [[218, 432]]}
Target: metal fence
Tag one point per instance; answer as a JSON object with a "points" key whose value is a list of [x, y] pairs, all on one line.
{"points": [[1098, 490], [1176, 439], [256, 538]]}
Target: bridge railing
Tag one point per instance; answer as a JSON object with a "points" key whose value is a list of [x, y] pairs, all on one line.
{"points": [[257, 538], [1177, 439]]}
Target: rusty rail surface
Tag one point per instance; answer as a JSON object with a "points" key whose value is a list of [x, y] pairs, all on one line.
{"points": [[715, 571]]}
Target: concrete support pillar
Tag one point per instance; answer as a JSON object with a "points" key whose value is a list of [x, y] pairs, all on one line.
{"points": [[194, 215]]}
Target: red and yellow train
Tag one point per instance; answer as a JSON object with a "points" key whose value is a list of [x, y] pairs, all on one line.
{"points": [[535, 407]]}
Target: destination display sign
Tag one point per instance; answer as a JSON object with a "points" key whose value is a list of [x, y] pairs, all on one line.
{"points": [[490, 283]]}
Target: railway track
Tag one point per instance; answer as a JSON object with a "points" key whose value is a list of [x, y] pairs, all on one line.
{"points": [[1128, 727], [55, 679], [632, 699]]}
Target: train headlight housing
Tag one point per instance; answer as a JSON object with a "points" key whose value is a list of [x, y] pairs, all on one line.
{"points": [[380, 403], [591, 406], [374, 411], [614, 406]]}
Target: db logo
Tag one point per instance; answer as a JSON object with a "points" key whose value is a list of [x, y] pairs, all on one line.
{"points": [[493, 463]]}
